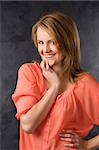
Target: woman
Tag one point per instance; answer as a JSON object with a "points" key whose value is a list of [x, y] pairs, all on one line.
{"points": [[56, 100]]}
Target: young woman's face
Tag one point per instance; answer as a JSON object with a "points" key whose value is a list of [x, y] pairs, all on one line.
{"points": [[47, 48]]}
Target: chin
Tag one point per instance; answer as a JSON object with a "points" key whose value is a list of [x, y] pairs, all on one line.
{"points": [[51, 63]]}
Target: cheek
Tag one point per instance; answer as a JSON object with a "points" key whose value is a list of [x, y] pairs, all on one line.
{"points": [[59, 53], [61, 56], [39, 50], [40, 53]]}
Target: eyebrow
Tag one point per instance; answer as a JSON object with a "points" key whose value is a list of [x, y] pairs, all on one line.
{"points": [[39, 41], [47, 41]]}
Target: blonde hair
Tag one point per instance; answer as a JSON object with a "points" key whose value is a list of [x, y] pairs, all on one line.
{"points": [[65, 32]]}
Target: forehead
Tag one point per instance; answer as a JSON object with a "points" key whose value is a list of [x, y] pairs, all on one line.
{"points": [[43, 34]]}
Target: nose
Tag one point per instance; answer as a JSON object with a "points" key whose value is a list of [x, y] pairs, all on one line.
{"points": [[46, 48]]}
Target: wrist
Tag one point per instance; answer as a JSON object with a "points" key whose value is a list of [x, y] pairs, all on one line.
{"points": [[94, 142], [86, 146], [90, 145], [56, 86]]}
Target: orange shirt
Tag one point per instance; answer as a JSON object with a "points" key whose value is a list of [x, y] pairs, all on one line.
{"points": [[77, 108]]}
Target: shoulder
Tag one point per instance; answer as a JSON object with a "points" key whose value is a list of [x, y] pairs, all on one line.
{"points": [[87, 79], [29, 69], [87, 83], [31, 72]]}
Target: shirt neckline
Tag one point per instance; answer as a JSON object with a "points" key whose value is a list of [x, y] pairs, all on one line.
{"points": [[67, 91]]}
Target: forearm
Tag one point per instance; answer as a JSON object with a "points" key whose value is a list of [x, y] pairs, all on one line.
{"points": [[93, 143], [31, 120]]}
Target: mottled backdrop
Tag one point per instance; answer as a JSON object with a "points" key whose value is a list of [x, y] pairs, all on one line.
{"points": [[16, 48]]}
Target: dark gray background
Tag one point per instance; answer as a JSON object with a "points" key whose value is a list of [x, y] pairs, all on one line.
{"points": [[16, 48]]}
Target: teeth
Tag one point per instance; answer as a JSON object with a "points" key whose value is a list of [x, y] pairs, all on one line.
{"points": [[49, 56]]}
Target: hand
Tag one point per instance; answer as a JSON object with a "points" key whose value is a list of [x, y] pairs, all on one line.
{"points": [[73, 140], [49, 74]]}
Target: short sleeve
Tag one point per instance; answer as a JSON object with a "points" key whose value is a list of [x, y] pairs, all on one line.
{"points": [[93, 100], [27, 92], [89, 95]]}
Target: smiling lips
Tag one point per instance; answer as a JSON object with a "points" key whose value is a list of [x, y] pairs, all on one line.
{"points": [[49, 56]]}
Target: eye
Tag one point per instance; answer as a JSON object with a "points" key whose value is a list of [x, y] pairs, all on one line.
{"points": [[40, 42], [52, 42]]}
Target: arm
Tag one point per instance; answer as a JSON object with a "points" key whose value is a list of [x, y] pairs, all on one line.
{"points": [[32, 119], [93, 143]]}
